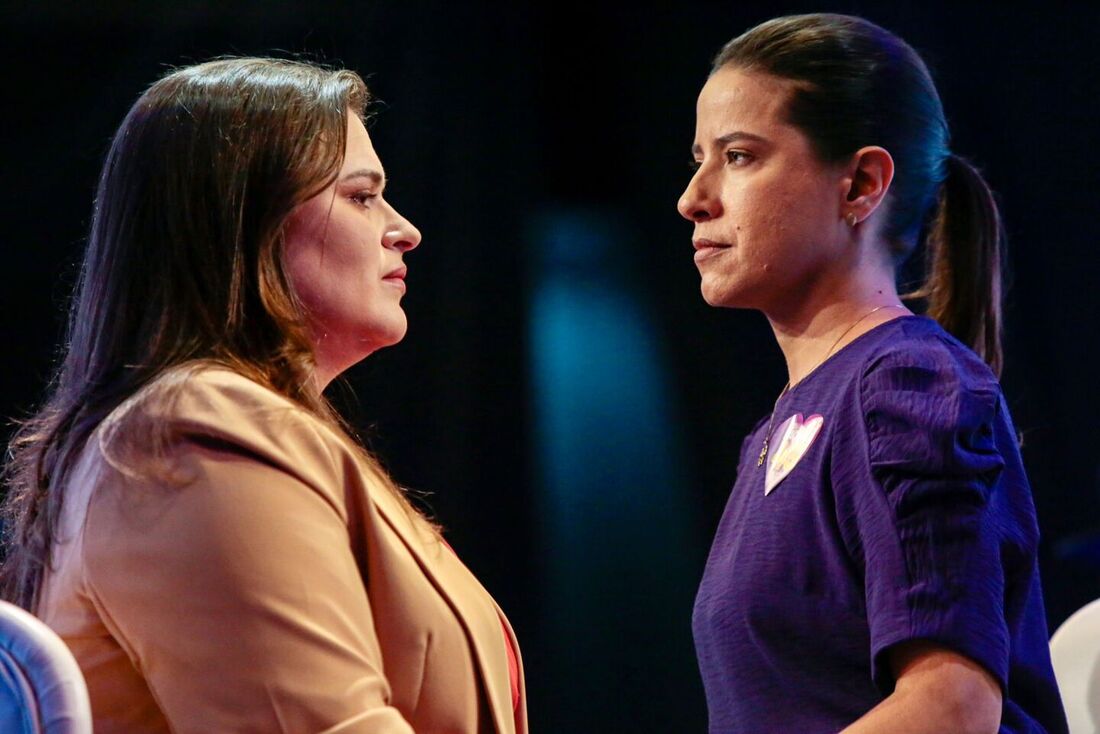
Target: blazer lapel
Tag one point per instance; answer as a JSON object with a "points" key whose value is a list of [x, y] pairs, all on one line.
{"points": [[476, 611]]}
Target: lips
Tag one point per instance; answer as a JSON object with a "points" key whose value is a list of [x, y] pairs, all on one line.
{"points": [[396, 277], [705, 249]]}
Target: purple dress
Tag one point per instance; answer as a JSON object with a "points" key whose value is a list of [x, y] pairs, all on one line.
{"points": [[907, 516]]}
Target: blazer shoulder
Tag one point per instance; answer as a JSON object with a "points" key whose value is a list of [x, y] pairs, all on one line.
{"points": [[220, 410]]}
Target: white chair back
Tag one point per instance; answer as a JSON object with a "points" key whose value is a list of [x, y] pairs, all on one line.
{"points": [[1075, 653], [42, 690]]}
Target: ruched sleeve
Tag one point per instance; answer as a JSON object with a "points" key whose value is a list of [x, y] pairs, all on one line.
{"points": [[930, 540]]}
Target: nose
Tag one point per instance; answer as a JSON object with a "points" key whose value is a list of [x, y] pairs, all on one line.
{"points": [[698, 203], [401, 235]]}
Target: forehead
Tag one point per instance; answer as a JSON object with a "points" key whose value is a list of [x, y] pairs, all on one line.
{"points": [[746, 100], [360, 151]]}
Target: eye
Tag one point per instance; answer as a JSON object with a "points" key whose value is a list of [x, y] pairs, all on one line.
{"points": [[363, 198], [738, 158], [694, 164]]}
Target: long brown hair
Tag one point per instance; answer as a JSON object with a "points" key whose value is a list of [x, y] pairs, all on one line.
{"points": [[184, 264], [858, 84]]}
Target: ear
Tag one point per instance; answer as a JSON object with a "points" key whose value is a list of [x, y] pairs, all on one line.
{"points": [[868, 179]]}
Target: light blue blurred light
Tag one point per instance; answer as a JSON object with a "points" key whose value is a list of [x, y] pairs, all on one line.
{"points": [[608, 450]]}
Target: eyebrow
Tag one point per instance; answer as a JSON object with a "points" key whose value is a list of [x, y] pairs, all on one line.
{"points": [[733, 137], [373, 175]]}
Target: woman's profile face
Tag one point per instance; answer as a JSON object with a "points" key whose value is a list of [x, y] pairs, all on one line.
{"points": [[344, 250], [767, 212]]}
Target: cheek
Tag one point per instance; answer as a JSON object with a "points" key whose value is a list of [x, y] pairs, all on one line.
{"points": [[761, 219], [308, 281], [329, 266], [305, 268], [785, 216]]}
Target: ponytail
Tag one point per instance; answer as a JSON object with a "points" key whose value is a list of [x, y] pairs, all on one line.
{"points": [[963, 280]]}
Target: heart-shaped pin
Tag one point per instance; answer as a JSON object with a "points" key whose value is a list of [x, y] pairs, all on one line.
{"points": [[795, 436]]}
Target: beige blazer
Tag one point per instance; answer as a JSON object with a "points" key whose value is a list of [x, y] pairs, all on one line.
{"points": [[259, 577]]}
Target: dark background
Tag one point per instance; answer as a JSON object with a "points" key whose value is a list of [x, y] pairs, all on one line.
{"points": [[541, 152]]}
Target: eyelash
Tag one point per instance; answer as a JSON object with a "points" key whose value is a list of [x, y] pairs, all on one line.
{"points": [[363, 198], [731, 155], [735, 158]]}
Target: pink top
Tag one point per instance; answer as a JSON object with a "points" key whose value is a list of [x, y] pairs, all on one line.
{"points": [[513, 666]]}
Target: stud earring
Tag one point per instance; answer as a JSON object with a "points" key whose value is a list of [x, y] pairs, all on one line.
{"points": [[851, 219]]}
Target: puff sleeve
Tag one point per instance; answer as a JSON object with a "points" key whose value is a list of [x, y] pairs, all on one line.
{"points": [[930, 536]]}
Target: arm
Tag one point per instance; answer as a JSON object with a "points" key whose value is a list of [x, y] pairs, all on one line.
{"points": [[930, 541], [937, 691], [237, 597]]}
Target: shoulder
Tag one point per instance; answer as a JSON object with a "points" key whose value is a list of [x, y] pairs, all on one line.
{"points": [[928, 402], [196, 392], [919, 355], [220, 412]]}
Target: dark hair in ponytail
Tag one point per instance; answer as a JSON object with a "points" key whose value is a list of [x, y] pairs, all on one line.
{"points": [[857, 84], [963, 283]]}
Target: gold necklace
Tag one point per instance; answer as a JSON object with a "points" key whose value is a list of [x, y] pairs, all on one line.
{"points": [[771, 420]]}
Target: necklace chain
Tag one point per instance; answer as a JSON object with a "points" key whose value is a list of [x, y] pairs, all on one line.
{"points": [[788, 386]]}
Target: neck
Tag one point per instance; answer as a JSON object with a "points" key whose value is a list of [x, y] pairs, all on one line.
{"points": [[817, 326], [331, 358]]}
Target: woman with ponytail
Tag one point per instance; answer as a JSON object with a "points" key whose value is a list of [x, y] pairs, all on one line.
{"points": [[875, 568]]}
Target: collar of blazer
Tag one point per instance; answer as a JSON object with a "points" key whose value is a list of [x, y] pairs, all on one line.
{"points": [[474, 608]]}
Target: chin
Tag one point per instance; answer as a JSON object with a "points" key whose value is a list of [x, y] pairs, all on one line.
{"points": [[382, 338], [367, 338], [719, 297], [733, 291], [393, 331]]}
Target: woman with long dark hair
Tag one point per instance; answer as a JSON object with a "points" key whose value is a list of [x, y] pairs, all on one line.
{"points": [[186, 510], [875, 568]]}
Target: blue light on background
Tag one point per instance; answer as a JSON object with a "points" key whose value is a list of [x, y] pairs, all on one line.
{"points": [[613, 509]]}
